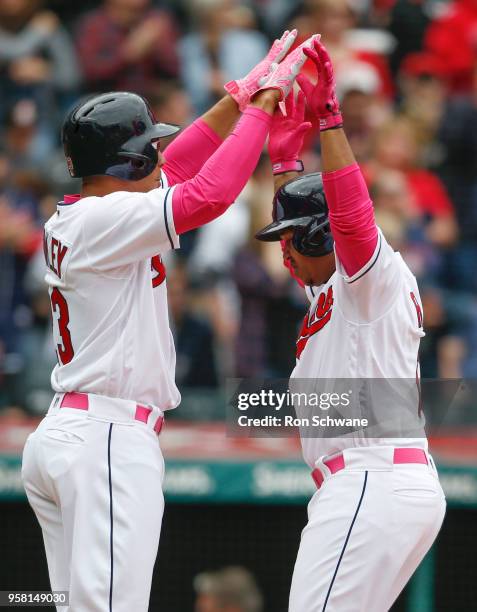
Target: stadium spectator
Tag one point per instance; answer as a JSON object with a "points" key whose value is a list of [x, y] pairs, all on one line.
{"points": [[127, 45], [448, 350], [364, 110], [224, 46], [458, 137], [274, 14], [170, 102], [230, 589], [458, 140], [397, 147], [37, 59], [271, 303], [401, 222], [134, 44], [19, 238], [422, 86], [407, 22], [452, 39], [336, 21], [37, 351], [195, 359], [25, 143]]}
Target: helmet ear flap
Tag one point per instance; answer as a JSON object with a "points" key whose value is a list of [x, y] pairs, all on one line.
{"points": [[313, 239], [317, 229], [299, 238]]}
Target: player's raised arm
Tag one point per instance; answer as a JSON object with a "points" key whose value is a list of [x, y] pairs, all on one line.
{"points": [[224, 175], [186, 155], [350, 208], [284, 147]]}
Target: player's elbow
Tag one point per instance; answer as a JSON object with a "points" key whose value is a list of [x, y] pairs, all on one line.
{"points": [[218, 199], [193, 207], [223, 202]]}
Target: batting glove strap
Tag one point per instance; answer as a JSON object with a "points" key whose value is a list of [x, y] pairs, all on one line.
{"points": [[292, 165], [331, 122], [239, 93]]}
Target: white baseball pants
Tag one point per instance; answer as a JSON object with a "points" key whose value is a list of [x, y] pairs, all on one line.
{"points": [[94, 480], [369, 527]]}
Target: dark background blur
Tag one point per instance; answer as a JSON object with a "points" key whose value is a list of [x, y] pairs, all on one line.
{"points": [[407, 81]]}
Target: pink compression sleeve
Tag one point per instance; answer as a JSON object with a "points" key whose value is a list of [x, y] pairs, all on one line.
{"points": [[186, 155], [224, 175], [351, 217]]}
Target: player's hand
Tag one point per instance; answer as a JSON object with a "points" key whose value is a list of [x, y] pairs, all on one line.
{"points": [[45, 21], [242, 89], [321, 98], [283, 77], [30, 70], [143, 38], [287, 134]]}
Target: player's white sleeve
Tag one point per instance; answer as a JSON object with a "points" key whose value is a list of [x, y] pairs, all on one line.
{"points": [[372, 291], [123, 227]]}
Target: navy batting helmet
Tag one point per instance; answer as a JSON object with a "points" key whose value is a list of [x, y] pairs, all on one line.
{"points": [[112, 134], [301, 205]]}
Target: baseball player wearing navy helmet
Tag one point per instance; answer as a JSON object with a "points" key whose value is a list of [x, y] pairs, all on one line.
{"points": [[113, 134], [300, 205], [378, 504], [93, 469]]}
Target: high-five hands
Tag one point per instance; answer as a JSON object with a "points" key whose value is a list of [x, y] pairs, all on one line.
{"points": [[283, 77], [242, 90], [276, 71], [287, 133], [321, 98], [279, 70]]}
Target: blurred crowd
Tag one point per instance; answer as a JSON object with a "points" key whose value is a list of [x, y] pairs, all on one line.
{"points": [[407, 81]]}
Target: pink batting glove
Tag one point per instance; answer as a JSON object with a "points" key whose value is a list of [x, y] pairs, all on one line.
{"points": [[283, 77], [287, 134], [321, 98], [242, 89]]}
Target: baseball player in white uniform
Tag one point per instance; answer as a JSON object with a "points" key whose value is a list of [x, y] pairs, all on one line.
{"points": [[378, 505], [93, 469]]}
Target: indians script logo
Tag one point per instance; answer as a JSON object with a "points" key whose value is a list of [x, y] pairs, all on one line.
{"points": [[315, 320], [159, 269]]}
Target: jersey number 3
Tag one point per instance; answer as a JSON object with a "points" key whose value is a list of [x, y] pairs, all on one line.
{"points": [[60, 308]]}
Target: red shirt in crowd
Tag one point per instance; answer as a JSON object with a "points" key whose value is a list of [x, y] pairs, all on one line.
{"points": [[100, 42], [452, 38], [429, 193], [427, 190]]}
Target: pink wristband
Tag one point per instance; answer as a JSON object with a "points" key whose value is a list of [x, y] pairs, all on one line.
{"points": [[293, 165], [331, 121]]}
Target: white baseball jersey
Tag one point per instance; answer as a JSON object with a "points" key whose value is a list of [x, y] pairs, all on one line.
{"points": [[108, 296], [371, 523], [367, 326]]}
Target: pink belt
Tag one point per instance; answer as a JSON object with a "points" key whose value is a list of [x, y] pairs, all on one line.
{"points": [[401, 455], [81, 402]]}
